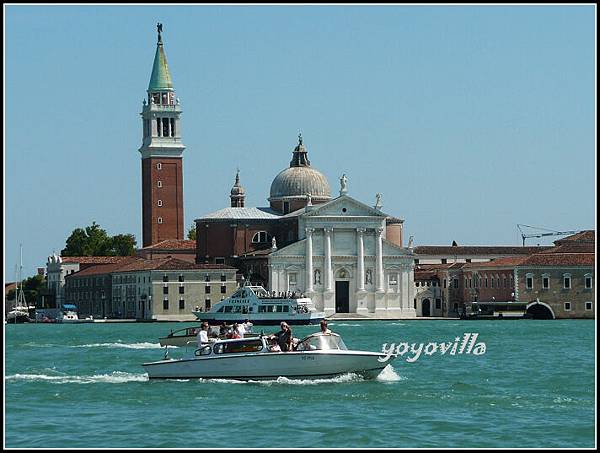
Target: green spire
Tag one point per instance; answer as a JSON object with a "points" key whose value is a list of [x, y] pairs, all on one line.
{"points": [[161, 77]]}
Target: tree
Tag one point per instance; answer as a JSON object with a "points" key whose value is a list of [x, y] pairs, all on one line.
{"points": [[31, 287], [123, 245], [192, 232], [94, 241]]}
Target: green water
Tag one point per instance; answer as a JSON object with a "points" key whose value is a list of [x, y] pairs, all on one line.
{"points": [[82, 386]]}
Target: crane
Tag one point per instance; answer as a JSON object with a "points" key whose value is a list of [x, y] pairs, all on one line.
{"points": [[539, 235]]}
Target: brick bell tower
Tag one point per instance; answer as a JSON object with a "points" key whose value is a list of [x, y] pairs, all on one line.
{"points": [[162, 151]]}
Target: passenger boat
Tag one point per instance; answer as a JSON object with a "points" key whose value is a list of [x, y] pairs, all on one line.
{"points": [[262, 307], [188, 335], [320, 355], [70, 316]]}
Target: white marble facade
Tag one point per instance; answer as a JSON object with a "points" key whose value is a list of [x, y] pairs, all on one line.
{"points": [[344, 263]]}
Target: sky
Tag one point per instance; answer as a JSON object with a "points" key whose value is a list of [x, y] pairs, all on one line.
{"points": [[468, 120]]}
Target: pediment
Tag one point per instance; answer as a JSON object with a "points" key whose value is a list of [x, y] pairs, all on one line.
{"points": [[352, 208], [295, 249]]}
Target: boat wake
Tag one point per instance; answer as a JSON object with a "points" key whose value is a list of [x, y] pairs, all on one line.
{"points": [[348, 377], [116, 377], [121, 345], [388, 374]]}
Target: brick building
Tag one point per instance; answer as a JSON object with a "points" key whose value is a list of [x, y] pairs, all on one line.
{"points": [[183, 249]]}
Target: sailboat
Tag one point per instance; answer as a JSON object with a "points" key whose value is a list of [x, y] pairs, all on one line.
{"points": [[20, 312]]}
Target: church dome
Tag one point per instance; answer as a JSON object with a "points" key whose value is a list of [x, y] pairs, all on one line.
{"points": [[300, 179]]}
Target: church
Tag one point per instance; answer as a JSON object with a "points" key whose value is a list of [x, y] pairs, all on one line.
{"points": [[344, 254]]}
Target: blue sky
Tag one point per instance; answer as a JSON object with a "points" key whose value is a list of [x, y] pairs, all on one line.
{"points": [[468, 120]]}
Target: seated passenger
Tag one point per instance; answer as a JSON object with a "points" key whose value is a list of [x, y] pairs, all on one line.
{"points": [[283, 337], [324, 328], [235, 332]]}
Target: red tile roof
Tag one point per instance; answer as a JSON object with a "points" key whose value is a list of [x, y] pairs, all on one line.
{"points": [[582, 236], [105, 268], [164, 264], [92, 259], [173, 244], [509, 261], [476, 250], [560, 259]]}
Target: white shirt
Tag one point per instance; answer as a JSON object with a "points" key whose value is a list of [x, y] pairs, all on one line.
{"points": [[202, 337], [241, 330]]}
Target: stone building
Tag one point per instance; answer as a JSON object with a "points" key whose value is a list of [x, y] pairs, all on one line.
{"points": [[158, 289], [183, 249]]}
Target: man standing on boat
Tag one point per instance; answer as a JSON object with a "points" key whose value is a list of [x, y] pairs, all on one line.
{"points": [[284, 337], [202, 337]]}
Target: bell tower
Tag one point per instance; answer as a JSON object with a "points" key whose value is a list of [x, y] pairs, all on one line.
{"points": [[162, 151]]}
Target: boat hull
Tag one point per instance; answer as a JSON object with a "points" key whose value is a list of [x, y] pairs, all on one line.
{"points": [[270, 365]]}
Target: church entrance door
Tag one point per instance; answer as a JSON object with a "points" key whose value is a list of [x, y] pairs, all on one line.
{"points": [[342, 297], [426, 308]]}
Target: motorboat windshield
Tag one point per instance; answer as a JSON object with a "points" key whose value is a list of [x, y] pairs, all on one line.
{"points": [[321, 341]]}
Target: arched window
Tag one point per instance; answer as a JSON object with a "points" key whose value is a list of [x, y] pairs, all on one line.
{"points": [[261, 237]]}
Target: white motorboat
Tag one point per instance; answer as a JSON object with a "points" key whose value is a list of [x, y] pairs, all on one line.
{"points": [[320, 355], [262, 307], [70, 316]]}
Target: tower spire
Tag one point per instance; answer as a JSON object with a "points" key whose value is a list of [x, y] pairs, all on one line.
{"points": [[300, 156], [238, 193]]}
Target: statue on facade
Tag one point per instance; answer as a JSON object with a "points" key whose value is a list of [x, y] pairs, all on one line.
{"points": [[273, 243], [317, 276], [343, 184], [309, 198], [378, 204], [369, 277]]}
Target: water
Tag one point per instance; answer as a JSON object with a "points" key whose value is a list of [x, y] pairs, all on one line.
{"points": [[82, 386]]}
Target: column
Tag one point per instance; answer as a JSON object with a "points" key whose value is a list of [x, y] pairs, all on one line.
{"points": [[309, 262], [379, 260], [361, 259], [328, 269]]}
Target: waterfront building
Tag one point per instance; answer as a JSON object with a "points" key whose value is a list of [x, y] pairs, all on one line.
{"points": [[162, 156], [347, 256], [559, 282], [168, 289], [443, 254], [158, 289]]}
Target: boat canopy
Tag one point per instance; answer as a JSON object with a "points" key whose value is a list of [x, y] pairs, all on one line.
{"points": [[321, 341], [69, 307]]}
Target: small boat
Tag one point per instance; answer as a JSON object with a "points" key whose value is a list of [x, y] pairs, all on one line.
{"points": [[21, 312], [188, 335], [262, 307], [70, 316], [320, 355]]}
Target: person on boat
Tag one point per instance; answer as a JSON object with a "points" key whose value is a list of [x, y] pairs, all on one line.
{"points": [[224, 329], [284, 337], [324, 328], [202, 337], [235, 331]]}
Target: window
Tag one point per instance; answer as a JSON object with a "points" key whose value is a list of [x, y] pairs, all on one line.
{"points": [[492, 282], [261, 237], [286, 207], [165, 290], [588, 305], [545, 282], [181, 278], [159, 184], [588, 281], [159, 166], [567, 281], [567, 306], [438, 304], [445, 283], [529, 281], [159, 202], [159, 220], [219, 260], [444, 260], [223, 278], [158, 120], [486, 281], [182, 290], [455, 281], [207, 304], [165, 278], [223, 289], [165, 304], [207, 289], [181, 304], [207, 278], [172, 127]]}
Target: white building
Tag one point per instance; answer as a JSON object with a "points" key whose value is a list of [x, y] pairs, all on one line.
{"points": [[344, 262]]}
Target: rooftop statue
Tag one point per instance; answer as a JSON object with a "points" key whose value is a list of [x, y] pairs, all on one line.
{"points": [[343, 184]]}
